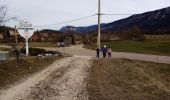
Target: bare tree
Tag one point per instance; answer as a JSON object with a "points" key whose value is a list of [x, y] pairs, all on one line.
{"points": [[4, 18]]}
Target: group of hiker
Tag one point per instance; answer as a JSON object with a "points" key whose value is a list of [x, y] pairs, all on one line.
{"points": [[107, 52]]}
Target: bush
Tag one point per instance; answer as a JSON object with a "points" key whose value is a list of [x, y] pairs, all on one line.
{"points": [[134, 33], [35, 51]]}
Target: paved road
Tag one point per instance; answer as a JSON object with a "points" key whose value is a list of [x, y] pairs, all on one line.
{"points": [[79, 50]]}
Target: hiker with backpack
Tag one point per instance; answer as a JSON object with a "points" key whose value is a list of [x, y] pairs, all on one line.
{"points": [[104, 50]]}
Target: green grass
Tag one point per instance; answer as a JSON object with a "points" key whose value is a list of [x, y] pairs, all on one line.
{"points": [[154, 38], [161, 48], [158, 44]]}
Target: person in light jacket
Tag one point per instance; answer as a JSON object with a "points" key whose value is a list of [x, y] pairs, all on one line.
{"points": [[109, 51]]}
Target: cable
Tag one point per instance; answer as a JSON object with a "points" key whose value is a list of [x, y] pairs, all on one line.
{"points": [[103, 14], [118, 14], [127, 14], [67, 21]]}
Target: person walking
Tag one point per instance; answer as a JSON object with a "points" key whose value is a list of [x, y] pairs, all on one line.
{"points": [[97, 53], [104, 51], [109, 51]]}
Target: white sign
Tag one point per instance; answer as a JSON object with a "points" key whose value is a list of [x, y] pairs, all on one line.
{"points": [[25, 29]]}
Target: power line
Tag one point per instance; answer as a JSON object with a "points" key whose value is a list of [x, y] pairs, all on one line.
{"points": [[102, 14], [127, 14], [117, 14], [79, 19], [67, 21]]}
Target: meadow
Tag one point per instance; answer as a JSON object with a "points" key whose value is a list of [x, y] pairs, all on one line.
{"points": [[154, 44]]}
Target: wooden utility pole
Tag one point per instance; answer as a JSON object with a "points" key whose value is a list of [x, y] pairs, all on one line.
{"points": [[99, 30]]}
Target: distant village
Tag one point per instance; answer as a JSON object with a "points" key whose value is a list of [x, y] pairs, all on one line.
{"points": [[11, 34]]}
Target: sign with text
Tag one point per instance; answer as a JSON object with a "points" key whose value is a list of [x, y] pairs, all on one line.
{"points": [[25, 29]]}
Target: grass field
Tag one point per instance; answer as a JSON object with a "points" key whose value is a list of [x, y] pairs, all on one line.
{"points": [[155, 44], [40, 44], [15, 70], [4, 49], [35, 44], [121, 79]]}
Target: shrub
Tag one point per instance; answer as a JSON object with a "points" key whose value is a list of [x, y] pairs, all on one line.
{"points": [[35, 51]]}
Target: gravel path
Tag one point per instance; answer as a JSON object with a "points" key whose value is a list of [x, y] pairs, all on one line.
{"points": [[63, 80]]}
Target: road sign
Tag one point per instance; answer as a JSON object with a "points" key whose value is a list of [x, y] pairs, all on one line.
{"points": [[26, 30]]}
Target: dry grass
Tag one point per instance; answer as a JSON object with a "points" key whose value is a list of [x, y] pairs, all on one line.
{"points": [[15, 70], [121, 79], [4, 49]]}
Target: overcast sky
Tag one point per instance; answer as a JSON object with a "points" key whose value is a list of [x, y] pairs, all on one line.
{"points": [[42, 12]]}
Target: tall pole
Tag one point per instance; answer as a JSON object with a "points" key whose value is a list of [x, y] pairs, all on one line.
{"points": [[99, 30], [16, 38]]}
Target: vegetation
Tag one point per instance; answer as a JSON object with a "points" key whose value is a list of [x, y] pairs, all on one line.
{"points": [[154, 44], [4, 18], [42, 44], [124, 79], [34, 44], [135, 33], [14, 70], [35, 51], [4, 49]]}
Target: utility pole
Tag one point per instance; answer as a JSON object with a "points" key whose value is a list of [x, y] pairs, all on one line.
{"points": [[99, 30], [16, 38]]}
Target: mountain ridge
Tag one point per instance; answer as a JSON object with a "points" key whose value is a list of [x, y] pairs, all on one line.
{"points": [[157, 20]]}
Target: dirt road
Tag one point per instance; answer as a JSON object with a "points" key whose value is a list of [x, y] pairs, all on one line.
{"points": [[62, 80], [79, 50], [65, 79]]}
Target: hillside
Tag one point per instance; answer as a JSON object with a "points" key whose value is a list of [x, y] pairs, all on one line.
{"points": [[49, 31], [157, 21], [80, 29]]}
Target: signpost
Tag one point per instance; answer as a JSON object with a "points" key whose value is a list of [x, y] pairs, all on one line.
{"points": [[26, 30]]}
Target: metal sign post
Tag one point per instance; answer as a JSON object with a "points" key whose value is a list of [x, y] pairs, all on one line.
{"points": [[26, 44], [26, 30]]}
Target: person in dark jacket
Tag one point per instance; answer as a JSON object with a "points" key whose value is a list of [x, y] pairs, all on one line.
{"points": [[104, 51], [97, 52]]}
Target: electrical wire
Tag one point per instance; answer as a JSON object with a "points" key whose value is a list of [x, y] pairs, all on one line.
{"points": [[117, 14], [67, 21]]}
